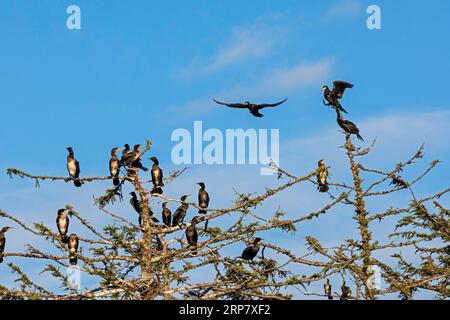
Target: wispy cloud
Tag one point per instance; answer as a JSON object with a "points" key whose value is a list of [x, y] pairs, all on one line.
{"points": [[344, 9]]}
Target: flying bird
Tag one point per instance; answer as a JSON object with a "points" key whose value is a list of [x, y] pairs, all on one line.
{"points": [[73, 167], [166, 214], [73, 249], [322, 176], [327, 289], [3, 241], [250, 252], [347, 125], [192, 235], [62, 222], [180, 213], [333, 96], [114, 166], [203, 198], [253, 108], [157, 176]]}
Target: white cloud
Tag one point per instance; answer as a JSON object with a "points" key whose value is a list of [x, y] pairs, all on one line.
{"points": [[344, 9]]}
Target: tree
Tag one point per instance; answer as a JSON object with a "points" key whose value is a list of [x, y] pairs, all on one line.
{"points": [[154, 261]]}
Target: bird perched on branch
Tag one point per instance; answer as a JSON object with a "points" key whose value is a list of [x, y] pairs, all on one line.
{"points": [[181, 211], [126, 149], [73, 167], [253, 108], [166, 214], [114, 166], [129, 157], [192, 235], [333, 96], [322, 176], [62, 222], [398, 181], [3, 241], [203, 198], [134, 201], [327, 289], [73, 249], [250, 252], [157, 176], [346, 292], [347, 125]]}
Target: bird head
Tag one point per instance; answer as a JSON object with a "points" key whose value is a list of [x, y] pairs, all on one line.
{"points": [[164, 204], [127, 146], [183, 198], [155, 160], [195, 220], [321, 162], [325, 88], [257, 240], [247, 103], [137, 147], [133, 194], [201, 184], [114, 150], [6, 229], [70, 150]]}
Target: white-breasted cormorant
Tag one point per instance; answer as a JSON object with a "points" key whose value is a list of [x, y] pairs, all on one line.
{"points": [[322, 176], [157, 176], [327, 289], [203, 198], [134, 201], [333, 96], [250, 252], [62, 222], [129, 157], [3, 241], [346, 292], [73, 167], [180, 213], [192, 235], [347, 125], [114, 166], [166, 214], [73, 248], [253, 108]]}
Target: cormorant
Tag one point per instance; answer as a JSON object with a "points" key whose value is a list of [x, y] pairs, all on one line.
{"points": [[327, 289], [253, 108], [398, 181], [73, 167], [192, 235], [114, 166], [322, 176], [3, 241], [346, 292], [73, 248], [137, 207], [157, 176], [203, 198], [126, 149], [250, 252], [180, 213], [130, 157], [166, 214], [333, 96], [62, 222], [347, 125]]}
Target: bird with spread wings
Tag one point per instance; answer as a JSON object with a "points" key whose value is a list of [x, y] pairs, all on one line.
{"points": [[253, 108]]}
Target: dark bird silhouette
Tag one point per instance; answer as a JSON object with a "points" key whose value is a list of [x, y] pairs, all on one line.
{"points": [[62, 222], [253, 108], [166, 214], [180, 213], [128, 158], [73, 249], [114, 166], [192, 235], [157, 176], [398, 181], [73, 167], [134, 201], [333, 96], [322, 176], [3, 241], [347, 125], [126, 149], [203, 198], [327, 289], [346, 292], [250, 252]]}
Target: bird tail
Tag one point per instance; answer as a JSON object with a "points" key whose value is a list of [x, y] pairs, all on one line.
{"points": [[194, 250], [342, 109], [73, 260], [65, 239], [77, 183], [144, 168], [1, 258], [116, 181], [157, 190], [202, 211], [154, 219], [330, 297], [323, 188], [359, 137]]}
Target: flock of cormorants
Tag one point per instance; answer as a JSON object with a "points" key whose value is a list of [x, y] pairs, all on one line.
{"points": [[132, 159]]}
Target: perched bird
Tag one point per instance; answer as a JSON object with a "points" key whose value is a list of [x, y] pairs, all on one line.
{"points": [[157, 176], [130, 157], [398, 181], [333, 96], [166, 214], [180, 213], [346, 292], [73, 167], [203, 198], [3, 241], [192, 235], [250, 252], [322, 176], [62, 222], [73, 249], [114, 166], [327, 289], [253, 108], [134, 201], [126, 149], [347, 125]]}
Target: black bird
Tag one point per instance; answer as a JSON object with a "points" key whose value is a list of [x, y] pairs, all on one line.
{"points": [[157, 176], [203, 198], [250, 252], [129, 157], [126, 149], [327, 289], [3, 241], [180, 213], [192, 235], [333, 96], [347, 125], [253, 108], [137, 207], [166, 214], [322, 176], [73, 167], [62, 222], [346, 292], [73, 249], [114, 166]]}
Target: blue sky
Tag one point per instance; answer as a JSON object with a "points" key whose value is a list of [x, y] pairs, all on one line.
{"points": [[139, 72]]}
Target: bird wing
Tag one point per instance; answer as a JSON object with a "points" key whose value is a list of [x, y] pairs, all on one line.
{"points": [[231, 105], [265, 105], [339, 88]]}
